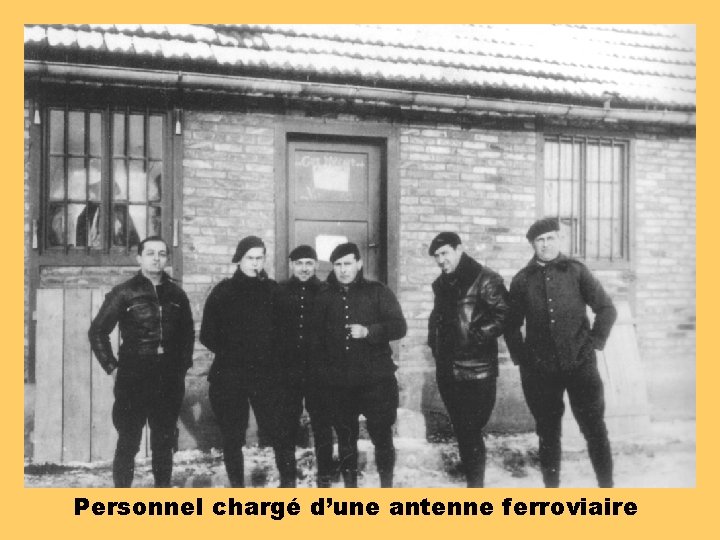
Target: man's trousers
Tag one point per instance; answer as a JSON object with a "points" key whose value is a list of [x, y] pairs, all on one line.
{"points": [[319, 407], [469, 404], [378, 402], [544, 395], [230, 400], [153, 395]]}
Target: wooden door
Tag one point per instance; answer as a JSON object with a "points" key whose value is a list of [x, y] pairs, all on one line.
{"points": [[334, 196], [74, 396]]}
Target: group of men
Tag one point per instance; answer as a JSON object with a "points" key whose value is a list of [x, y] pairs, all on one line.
{"points": [[326, 345]]}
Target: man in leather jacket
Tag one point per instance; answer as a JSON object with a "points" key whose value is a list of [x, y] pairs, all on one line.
{"points": [[239, 327], [157, 333], [467, 318], [354, 321], [550, 295], [295, 303]]}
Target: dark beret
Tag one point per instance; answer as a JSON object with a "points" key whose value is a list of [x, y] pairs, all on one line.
{"points": [[542, 226], [245, 245], [344, 249], [442, 239], [303, 252]]}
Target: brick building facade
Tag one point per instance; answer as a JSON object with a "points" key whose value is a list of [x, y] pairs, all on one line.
{"points": [[480, 175]]}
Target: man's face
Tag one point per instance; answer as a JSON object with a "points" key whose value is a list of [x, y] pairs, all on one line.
{"points": [[448, 257], [346, 268], [153, 259], [303, 269], [252, 262], [547, 246]]}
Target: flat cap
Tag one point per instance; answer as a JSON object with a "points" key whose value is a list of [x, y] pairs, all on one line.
{"points": [[344, 249], [245, 245], [542, 226], [303, 252], [442, 239]]}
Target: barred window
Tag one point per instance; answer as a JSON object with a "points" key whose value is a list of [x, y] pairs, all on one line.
{"points": [[103, 179], [585, 185]]}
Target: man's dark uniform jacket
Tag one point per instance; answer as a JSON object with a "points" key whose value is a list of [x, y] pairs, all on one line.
{"points": [[148, 318], [294, 306], [341, 360], [238, 326], [551, 299], [466, 320]]}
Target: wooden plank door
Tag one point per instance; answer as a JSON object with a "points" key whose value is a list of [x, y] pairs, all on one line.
{"points": [[77, 359], [627, 409], [47, 440], [334, 196], [74, 395], [102, 434]]}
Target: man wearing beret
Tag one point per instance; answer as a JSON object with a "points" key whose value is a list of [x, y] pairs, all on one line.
{"points": [[557, 354], [295, 303], [238, 325], [355, 319], [467, 318]]}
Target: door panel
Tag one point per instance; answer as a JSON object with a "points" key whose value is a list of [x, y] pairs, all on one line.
{"points": [[334, 197], [325, 235]]}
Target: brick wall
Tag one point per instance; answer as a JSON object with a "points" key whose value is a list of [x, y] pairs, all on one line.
{"points": [[481, 184], [665, 269], [478, 181], [228, 193]]}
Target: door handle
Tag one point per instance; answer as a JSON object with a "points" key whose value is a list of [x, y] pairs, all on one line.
{"points": [[34, 234], [373, 245], [176, 232]]}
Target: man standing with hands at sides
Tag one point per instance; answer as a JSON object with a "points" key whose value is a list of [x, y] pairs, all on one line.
{"points": [[467, 318], [238, 327], [294, 307], [157, 334], [550, 296], [353, 323]]}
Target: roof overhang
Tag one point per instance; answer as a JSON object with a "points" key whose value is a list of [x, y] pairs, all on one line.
{"points": [[56, 72]]}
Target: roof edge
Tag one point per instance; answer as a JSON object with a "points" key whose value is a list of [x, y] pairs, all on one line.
{"points": [[64, 72]]}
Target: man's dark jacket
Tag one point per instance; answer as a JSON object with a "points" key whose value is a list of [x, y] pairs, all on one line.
{"points": [[551, 299], [467, 318], [238, 325], [341, 360], [148, 318], [294, 307]]}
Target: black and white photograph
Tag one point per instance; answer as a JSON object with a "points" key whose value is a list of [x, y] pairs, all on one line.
{"points": [[360, 255]]}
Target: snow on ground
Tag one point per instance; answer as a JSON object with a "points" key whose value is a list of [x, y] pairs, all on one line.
{"points": [[664, 457]]}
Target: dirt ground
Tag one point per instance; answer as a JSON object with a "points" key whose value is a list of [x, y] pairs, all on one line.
{"points": [[663, 457]]}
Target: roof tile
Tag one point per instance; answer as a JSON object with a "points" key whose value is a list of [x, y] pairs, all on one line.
{"points": [[646, 64]]}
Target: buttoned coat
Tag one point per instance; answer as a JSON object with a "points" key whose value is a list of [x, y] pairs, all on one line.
{"points": [[552, 299], [341, 360], [294, 309]]}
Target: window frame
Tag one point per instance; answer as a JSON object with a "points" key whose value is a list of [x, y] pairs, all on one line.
{"points": [[628, 205], [107, 255]]}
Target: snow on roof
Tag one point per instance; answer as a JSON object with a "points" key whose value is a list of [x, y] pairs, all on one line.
{"points": [[649, 65]]}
